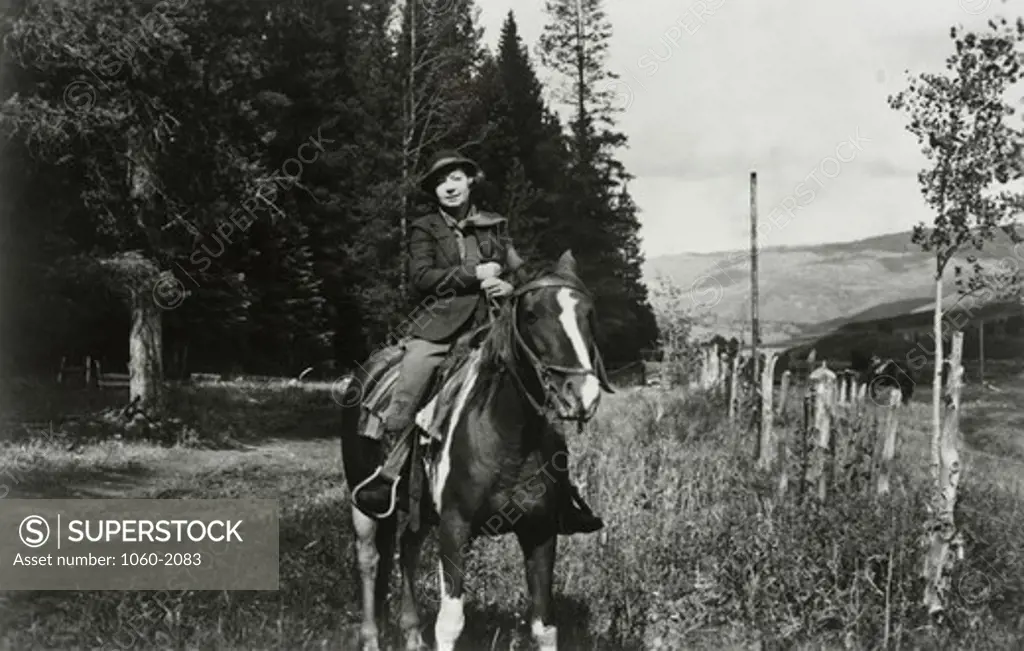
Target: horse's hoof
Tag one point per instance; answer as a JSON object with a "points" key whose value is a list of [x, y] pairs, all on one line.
{"points": [[368, 640], [414, 642]]}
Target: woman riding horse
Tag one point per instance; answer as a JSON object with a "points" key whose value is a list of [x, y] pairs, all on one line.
{"points": [[458, 257]]}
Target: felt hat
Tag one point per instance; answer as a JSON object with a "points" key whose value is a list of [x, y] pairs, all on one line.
{"points": [[442, 163]]}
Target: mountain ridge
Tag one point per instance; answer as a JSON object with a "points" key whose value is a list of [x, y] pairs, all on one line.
{"points": [[805, 288]]}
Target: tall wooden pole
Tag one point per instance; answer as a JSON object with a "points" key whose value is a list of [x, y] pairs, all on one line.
{"points": [[755, 330]]}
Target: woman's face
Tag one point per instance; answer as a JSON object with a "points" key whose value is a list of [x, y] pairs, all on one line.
{"points": [[453, 189]]}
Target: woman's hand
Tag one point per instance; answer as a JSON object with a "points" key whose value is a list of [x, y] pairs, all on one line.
{"points": [[496, 287], [488, 271]]}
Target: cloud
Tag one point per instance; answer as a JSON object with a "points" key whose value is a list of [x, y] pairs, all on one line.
{"points": [[881, 168], [773, 87]]}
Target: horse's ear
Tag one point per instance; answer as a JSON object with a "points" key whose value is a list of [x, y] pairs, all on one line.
{"points": [[567, 262]]}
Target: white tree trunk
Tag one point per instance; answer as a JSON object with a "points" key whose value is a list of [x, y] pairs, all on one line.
{"points": [[937, 380], [145, 349], [945, 544]]}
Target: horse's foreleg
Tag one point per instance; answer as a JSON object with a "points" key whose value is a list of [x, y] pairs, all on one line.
{"points": [[372, 548], [410, 618], [386, 549], [454, 539], [539, 554]]}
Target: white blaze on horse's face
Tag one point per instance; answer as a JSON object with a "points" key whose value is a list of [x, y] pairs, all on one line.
{"points": [[590, 391], [453, 190]]}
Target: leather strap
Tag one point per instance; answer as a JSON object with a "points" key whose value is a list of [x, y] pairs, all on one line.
{"points": [[392, 468]]}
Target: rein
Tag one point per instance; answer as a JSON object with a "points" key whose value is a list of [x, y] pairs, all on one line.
{"points": [[541, 369]]}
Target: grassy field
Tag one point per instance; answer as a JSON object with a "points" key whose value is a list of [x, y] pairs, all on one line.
{"points": [[695, 555]]}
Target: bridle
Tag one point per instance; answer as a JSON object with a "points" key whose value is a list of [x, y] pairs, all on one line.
{"points": [[543, 371]]}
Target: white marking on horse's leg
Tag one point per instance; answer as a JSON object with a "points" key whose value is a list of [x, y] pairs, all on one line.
{"points": [[546, 636], [591, 389], [369, 557], [410, 546], [444, 465], [450, 619]]}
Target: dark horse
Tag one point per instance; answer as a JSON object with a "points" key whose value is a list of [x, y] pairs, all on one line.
{"points": [[497, 465], [881, 375]]}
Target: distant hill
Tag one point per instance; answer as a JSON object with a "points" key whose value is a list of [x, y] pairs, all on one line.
{"points": [[808, 289]]}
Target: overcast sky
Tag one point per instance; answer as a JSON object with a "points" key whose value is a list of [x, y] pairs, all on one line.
{"points": [[716, 88]]}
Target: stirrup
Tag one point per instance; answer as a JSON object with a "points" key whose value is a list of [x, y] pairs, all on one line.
{"points": [[392, 503], [389, 471]]}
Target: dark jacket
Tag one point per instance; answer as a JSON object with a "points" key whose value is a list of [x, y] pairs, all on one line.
{"points": [[447, 294]]}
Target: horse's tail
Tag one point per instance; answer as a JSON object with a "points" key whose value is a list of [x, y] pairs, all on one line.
{"points": [[360, 455]]}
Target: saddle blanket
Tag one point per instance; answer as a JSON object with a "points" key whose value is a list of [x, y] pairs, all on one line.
{"points": [[436, 416]]}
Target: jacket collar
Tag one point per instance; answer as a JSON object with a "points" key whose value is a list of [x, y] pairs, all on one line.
{"points": [[475, 218]]}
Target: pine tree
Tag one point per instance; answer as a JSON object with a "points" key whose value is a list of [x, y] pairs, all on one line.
{"points": [[136, 140], [288, 330], [598, 217], [524, 153]]}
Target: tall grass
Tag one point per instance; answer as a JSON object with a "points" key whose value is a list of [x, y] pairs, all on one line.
{"points": [[698, 542], [696, 554]]}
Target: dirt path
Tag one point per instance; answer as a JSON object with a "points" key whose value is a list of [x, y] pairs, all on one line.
{"points": [[136, 471]]}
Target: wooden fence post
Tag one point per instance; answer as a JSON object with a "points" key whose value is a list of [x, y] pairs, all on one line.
{"points": [[722, 385], [704, 370], [784, 437], [888, 443], [945, 543], [734, 384], [767, 448], [668, 355], [823, 385], [694, 372], [702, 378], [714, 366], [804, 441], [783, 392]]}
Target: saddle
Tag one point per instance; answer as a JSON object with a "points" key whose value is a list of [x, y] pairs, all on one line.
{"points": [[446, 381], [434, 416]]}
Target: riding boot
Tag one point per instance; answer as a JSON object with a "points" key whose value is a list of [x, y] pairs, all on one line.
{"points": [[375, 497], [575, 515]]}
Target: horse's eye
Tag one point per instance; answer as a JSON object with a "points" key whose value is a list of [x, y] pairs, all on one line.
{"points": [[531, 318]]}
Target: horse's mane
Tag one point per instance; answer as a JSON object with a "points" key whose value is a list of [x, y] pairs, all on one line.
{"points": [[498, 348]]}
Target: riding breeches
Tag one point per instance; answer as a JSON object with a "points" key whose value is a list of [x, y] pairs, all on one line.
{"points": [[419, 362]]}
